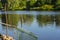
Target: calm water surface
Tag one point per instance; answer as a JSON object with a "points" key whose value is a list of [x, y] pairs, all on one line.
{"points": [[44, 24]]}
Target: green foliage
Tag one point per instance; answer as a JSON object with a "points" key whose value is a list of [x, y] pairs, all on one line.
{"points": [[47, 7], [35, 4], [58, 2], [32, 2], [0, 5], [13, 4]]}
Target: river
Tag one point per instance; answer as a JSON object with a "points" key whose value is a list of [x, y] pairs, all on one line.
{"points": [[44, 24]]}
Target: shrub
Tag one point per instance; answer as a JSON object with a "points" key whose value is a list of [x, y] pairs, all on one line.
{"points": [[47, 7]]}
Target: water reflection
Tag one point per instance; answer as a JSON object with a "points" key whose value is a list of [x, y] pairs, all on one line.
{"points": [[57, 20], [30, 20], [45, 19], [25, 18], [13, 19]]}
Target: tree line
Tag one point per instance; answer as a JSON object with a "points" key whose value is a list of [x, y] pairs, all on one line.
{"points": [[31, 4]]}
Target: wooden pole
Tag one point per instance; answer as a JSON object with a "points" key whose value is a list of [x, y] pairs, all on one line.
{"points": [[6, 25]]}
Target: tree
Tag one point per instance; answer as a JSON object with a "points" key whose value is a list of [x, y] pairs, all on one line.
{"points": [[32, 2], [13, 4], [4, 4], [48, 2]]}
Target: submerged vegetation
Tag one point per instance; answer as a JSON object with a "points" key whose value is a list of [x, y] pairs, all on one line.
{"points": [[31, 4]]}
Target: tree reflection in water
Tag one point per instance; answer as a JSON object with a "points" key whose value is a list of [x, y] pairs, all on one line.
{"points": [[13, 19], [25, 18], [48, 19], [57, 21], [45, 19]]}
